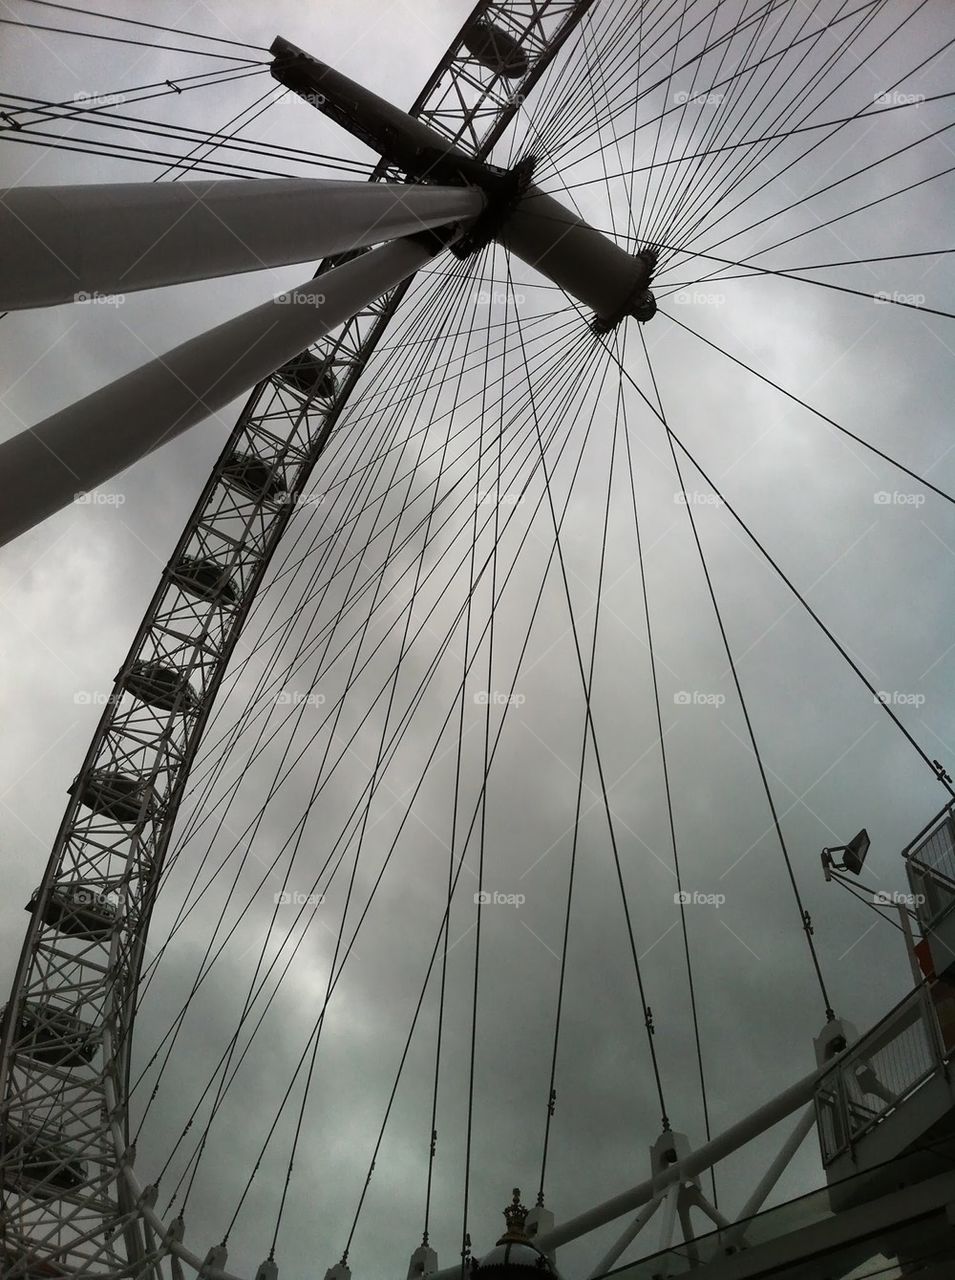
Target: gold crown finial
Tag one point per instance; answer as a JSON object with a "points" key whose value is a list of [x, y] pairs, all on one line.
{"points": [[515, 1215]]}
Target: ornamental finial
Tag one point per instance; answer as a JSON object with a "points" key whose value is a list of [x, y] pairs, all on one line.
{"points": [[515, 1215]]}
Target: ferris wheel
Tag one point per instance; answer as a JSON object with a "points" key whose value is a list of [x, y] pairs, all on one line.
{"points": [[446, 825]]}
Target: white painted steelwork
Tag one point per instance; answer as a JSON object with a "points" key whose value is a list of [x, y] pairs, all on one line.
{"points": [[67, 244]]}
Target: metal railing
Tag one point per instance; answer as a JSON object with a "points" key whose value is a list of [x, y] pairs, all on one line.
{"points": [[879, 1072], [931, 866]]}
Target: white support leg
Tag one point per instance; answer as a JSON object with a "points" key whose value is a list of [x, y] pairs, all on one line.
{"points": [[625, 1239], [724, 1144], [43, 468], [695, 1198], [67, 244], [684, 1202], [671, 1202], [769, 1179]]}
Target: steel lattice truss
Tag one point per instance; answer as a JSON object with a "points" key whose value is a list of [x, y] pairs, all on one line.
{"points": [[68, 1026]]}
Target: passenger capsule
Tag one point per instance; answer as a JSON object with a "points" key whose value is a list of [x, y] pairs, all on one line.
{"points": [[79, 910], [496, 49], [111, 794], [253, 476], [308, 375], [205, 579], [159, 686], [41, 1164], [53, 1036]]}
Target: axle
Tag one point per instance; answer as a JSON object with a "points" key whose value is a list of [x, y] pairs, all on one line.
{"points": [[533, 225]]}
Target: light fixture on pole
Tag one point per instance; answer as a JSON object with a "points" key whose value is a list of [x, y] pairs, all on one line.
{"points": [[853, 855]]}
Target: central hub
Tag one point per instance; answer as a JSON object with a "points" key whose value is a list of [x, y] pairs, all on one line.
{"points": [[533, 225]]}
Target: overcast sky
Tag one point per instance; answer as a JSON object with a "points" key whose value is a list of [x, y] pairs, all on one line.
{"points": [[869, 547]]}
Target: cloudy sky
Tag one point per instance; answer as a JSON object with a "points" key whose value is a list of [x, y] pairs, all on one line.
{"points": [[869, 547]]}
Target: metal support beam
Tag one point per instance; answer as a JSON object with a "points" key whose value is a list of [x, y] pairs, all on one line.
{"points": [[710, 1153], [771, 1176], [573, 255], [68, 244], [539, 230], [625, 1240], [46, 466], [724, 1144]]}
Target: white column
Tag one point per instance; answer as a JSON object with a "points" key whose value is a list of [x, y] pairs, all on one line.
{"points": [[43, 468], [769, 1179], [625, 1240], [67, 244], [584, 262]]}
